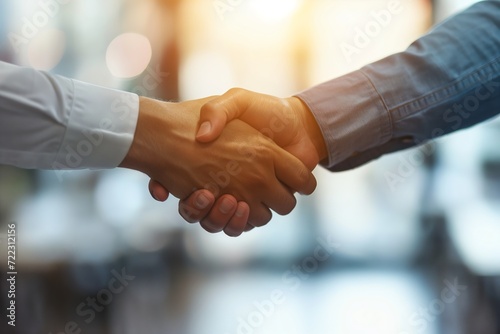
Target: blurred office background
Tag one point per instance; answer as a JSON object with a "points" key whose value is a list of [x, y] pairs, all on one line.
{"points": [[407, 244]]}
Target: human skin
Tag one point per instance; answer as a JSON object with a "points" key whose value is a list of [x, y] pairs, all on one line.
{"points": [[287, 121], [246, 172]]}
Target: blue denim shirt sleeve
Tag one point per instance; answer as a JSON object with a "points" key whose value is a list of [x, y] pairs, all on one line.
{"points": [[446, 81]]}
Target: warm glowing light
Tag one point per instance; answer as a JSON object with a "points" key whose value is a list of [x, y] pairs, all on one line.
{"points": [[274, 10], [128, 55], [47, 49], [204, 74]]}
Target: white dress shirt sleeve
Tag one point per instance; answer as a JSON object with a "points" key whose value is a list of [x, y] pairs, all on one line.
{"points": [[51, 122]]}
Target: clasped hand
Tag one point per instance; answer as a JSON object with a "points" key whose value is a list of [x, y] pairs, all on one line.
{"points": [[230, 159]]}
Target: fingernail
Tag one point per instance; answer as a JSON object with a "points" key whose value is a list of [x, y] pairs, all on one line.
{"points": [[201, 202], [226, 206], [205, 128], [240, 212]]}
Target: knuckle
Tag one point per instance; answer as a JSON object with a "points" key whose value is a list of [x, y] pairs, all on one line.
{"points": [[264, 155], [261, 148], [235, 91], [208, 109]]}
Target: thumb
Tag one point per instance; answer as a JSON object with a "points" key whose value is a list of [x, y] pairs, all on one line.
{"points": [[215, 114]]}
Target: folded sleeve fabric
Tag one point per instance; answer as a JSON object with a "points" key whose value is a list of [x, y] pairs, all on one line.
{"points": [[446, 81], [51, 122]]}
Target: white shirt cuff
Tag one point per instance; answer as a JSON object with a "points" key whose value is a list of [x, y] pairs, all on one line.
{"points": [[100, 128]]}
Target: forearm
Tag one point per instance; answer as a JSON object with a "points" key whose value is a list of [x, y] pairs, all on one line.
{"points": [[416, 95]]}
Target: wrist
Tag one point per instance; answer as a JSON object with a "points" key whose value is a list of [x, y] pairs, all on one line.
{"points": [[311, 126], [150, 116]]}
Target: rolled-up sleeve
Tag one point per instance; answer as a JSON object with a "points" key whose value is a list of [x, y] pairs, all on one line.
{"points": [[52, 122], [446, 81]]}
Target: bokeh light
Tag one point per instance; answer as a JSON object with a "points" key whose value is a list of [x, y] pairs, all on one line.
{"points": [[47, 49], [389, 250], [274, 10], [128, 55]]}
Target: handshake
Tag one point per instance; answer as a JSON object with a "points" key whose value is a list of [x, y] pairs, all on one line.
{"points": [[230, 158]]}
